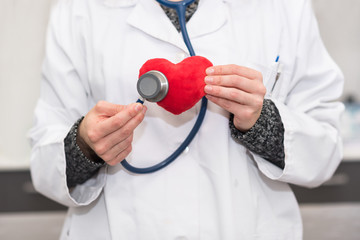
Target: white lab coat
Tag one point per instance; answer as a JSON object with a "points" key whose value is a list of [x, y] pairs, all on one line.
{"points": [[216, 189]]}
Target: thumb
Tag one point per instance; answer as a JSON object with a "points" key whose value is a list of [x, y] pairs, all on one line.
{"points": [[108, 109], [135, 108]]}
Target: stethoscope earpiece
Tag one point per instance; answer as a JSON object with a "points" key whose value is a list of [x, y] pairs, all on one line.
{"points": [[153, 86]]}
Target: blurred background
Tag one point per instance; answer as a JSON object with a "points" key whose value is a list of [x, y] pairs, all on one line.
{"points": [[331, 211]]}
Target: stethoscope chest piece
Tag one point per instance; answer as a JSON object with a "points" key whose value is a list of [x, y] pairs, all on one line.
{"points": [[153, 86]]}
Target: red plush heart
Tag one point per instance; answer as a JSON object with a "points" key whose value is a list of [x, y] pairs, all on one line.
{"points": [[186, 81]]}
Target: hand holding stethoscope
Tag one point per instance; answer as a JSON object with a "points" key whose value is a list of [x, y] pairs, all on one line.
{"points": [[108, 128]]}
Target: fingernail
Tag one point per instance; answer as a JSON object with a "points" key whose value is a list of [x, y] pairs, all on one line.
{"points": [[209, 97], [208, 88], [138, 107], [209, 79], [210, 70]]}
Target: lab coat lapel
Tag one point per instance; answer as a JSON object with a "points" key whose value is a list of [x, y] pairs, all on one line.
{"points": [[149, 17], [209, 17]]}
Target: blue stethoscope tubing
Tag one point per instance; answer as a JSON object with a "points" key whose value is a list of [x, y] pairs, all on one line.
{"points": [[180, 8]]}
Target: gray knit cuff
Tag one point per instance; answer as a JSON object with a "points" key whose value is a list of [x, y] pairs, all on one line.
{"points": [[78, 167], [266, 137]]}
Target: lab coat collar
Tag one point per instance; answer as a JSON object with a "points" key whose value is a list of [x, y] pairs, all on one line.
{"points": [[209, 17], [149, 17]]}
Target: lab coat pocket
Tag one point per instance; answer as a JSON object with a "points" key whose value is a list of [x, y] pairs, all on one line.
{"points": [[271, 79], [276, 82], [274, 79]]}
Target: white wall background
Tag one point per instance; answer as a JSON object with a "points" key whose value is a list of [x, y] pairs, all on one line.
{"points": [[22, 30], [339, 22]]}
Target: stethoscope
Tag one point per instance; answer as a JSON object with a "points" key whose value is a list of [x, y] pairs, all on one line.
{"points": [[153, 86]]}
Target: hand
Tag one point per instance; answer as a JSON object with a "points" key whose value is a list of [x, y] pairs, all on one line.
{"points": [[237, 89], [108, 129]]}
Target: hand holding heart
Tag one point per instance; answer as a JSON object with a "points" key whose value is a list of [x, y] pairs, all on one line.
{"points": [[237, 89]]}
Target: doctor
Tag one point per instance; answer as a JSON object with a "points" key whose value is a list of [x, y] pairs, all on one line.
{"points": [[268, 122]]}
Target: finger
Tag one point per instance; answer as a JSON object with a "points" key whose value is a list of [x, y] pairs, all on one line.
{"points": [[233, 69], [234, 81], [230, 94], [120, 157], [122, 134], [113, 151], [233, 107], [226, 104], [245, 116], [117, 121], [108, 109]]}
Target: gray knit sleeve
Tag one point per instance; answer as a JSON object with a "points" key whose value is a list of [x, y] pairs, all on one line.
{"points": [[79, 168], [266, 137]]}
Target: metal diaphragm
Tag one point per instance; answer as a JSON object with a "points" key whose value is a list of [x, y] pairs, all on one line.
{"points": [[153, 86]]}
